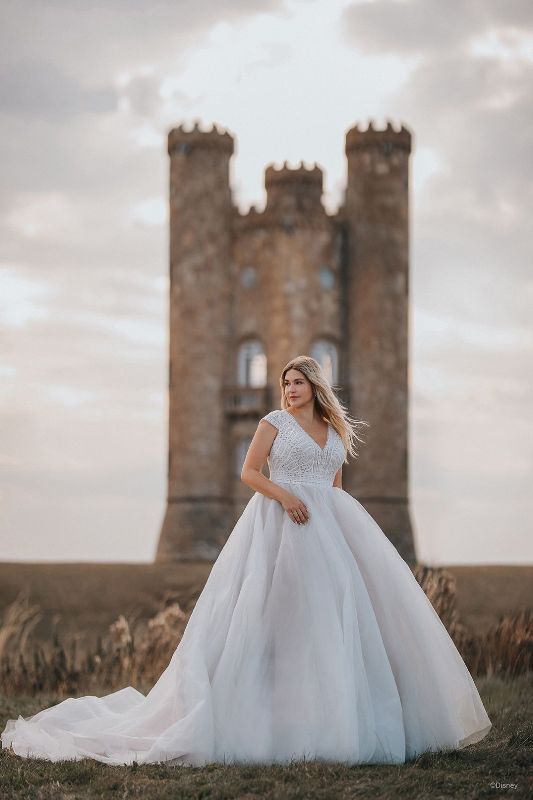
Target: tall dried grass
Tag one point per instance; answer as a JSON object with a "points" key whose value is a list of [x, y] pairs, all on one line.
{"points": [[135, 652], [505, 650]]}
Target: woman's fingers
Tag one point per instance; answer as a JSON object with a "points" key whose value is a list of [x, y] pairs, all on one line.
{"points": [[299, 514], [296, 509]]}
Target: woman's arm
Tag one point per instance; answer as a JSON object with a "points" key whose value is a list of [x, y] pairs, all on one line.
{"points": [[252, 476], [256, 456]]}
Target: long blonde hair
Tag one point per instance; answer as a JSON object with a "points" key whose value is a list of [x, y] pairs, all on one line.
{"points": [[327, 403]]}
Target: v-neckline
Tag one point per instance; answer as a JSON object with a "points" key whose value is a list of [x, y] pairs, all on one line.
{"points": [[308, 434]]}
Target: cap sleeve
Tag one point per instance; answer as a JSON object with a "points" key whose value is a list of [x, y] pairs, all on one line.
{"points": [[274, 417]]}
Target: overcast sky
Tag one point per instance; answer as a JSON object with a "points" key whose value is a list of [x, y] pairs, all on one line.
{"points": [[88, 92]]}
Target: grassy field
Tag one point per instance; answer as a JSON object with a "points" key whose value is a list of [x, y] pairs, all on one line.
{"points": [[83, 599], [503, 757]]}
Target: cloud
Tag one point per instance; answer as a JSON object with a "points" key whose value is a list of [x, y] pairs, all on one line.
{"points": [[429, 27], [474, 111], [90, 91], [39, 89], [95, 39], [467, 99]]}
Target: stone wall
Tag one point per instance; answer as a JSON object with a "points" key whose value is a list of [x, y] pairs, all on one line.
{"points": [[261, 275]]}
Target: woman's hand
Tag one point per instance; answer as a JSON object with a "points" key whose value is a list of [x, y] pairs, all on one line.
{"points": [[295, 508]]}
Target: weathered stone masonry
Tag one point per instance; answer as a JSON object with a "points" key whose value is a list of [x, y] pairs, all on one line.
{"points": [[214, 309]]}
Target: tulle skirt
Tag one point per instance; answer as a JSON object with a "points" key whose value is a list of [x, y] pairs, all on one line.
{"points": [[308, 641]]}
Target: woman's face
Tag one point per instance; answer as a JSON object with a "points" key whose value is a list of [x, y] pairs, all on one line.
{"points": [[298, 389]]}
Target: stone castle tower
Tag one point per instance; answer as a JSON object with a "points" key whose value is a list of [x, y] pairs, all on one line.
{"points": [[250, 291]]}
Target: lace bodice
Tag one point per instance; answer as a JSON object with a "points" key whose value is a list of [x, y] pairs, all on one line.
{"points": [[295, 457]]}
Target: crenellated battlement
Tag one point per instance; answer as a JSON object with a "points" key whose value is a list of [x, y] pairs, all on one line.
{"points": [[253, 211], [300, 174], [389, 137], [296, 190], [248, 220], [195, 136]]}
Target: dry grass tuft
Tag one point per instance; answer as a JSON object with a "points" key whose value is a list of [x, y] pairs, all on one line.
{"points": [[506, 650], [133, 654]]}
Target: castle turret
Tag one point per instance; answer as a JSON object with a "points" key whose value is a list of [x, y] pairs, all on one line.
{"points": [[297, 244], [199, 509], [294, 189], [377, 220]]}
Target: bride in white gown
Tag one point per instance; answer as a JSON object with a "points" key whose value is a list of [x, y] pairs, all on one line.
{"points": [[311, 638]]}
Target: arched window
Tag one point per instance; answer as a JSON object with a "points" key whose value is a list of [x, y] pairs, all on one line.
{"points": [[251, 366], [325, 352], [241, 449]]}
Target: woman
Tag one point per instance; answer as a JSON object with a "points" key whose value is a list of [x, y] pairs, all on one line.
{"points": [[311, 638]]}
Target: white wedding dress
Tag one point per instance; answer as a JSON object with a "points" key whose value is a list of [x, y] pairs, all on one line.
{"points": [[308, 641]]}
